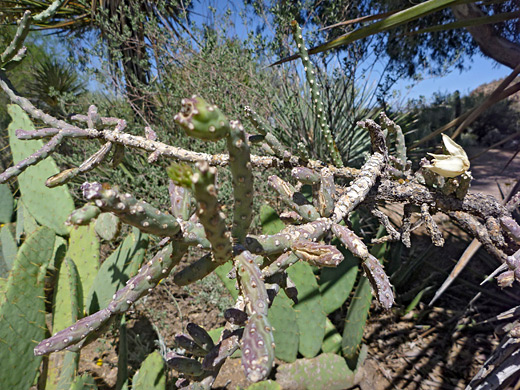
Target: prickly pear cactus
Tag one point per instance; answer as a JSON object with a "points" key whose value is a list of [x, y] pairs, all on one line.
{"points": [[22, 314], [310, 315], [151, 375], [50, 206], [283, 318], [115, 271], [6, 204], [327, 371]]}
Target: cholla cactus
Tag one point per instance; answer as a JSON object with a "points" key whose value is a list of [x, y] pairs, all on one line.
{"points": [[257, 260]]}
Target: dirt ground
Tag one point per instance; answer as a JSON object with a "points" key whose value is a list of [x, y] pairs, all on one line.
{"points": [[438, 347]]}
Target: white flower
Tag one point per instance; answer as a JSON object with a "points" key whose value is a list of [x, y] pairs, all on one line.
{"points": [[452, 164]]}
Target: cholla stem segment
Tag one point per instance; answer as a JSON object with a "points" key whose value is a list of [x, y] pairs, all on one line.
{"points": [[240, 166], [317, 254], [277, 243], [257, 341], [400, 144], [209, 213], [136, 213], [257, 348], [202, 120], [377, 277], [326, 193], [317, 101], [305, 175], [33, 159], [17, 43], [294, 199], [359, 188], [140, 285]]}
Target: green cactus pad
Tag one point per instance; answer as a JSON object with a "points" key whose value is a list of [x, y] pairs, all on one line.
{"points": [[84, 251], [84, 382], [283, 318], [68, 371], [332, 340], [337, 283], [8, 251], [151, 375], [355, 320], [68, 305], [265, 385], [107, 226], [35, 194], [309, 310], [22, 314], [327, 371], [202, 120], [271, 223], [114, 271], [6, 204]]}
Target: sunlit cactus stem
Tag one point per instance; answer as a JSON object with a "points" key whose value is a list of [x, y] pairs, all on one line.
{"points": [[400, 144], [257, 348], [136, 213], [140, 285], [379, 281], [240, 166], [202, 120], [317, 101], [209, 212], [293, 199]]}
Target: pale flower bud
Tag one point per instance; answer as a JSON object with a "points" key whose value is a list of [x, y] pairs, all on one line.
{"points": [[452, 164]]}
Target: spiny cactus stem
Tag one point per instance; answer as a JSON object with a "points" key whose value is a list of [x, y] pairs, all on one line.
{"points": [[49, 12], [240, 166], [96, 159], [512, 227], [196, 271], [305, 175], [145, 144], [140, 285], [358, 190], [193, 233], [84, 215], [293, 199], [277, 243], [136, 213], [284, 261], [275, 146], [394, 235], [251, 282], [180, 200], [209, 212], [470, 224], [317, 101], [317, 254], [18, 39], [36, 134], [377, 277], [257, 348], [431, 226], [257, 122], [326, 193], [400, 146], [45, 151]]}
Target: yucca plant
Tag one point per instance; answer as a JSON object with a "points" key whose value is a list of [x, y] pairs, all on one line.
{"points": [[55, 84]]}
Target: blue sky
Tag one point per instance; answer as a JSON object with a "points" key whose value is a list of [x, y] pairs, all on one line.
{"points": [[481, 69]]}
